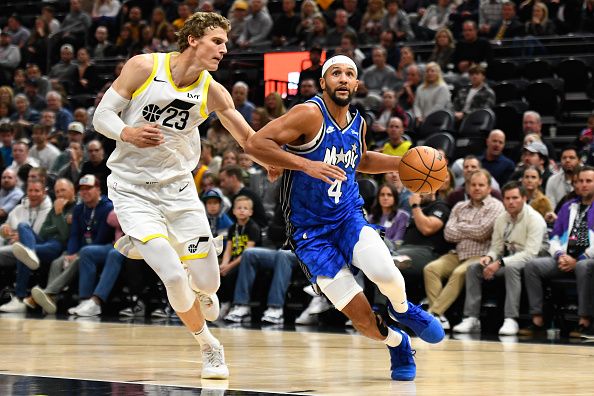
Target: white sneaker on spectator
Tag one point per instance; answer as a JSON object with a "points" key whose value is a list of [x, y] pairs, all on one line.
{"points": [[239, 314], [510, 327], [468, 325], [443, 321], [14, 306], [25, 255], [44, 300], [72, 310], [318, 305], [89, 308], [213, 363], [273, 315]]}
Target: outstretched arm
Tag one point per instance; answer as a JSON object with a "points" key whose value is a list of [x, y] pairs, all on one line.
{"points": [[220, 101], [298, 126], [374, 162]]}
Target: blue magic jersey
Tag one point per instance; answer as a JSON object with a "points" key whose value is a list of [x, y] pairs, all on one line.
{"points": [[310, 202]]}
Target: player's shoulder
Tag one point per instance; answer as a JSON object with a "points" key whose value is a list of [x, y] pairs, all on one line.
{"points": [[307, 109], [141, 62]]}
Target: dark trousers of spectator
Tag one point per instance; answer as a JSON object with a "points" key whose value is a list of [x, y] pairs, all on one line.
{"points": [[227, 288], [256, 259], [543, 268], [91, 258], [140, 278], [46, 251]]}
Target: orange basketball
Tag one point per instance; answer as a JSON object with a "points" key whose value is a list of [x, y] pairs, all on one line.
{"points": [[423, 170]]}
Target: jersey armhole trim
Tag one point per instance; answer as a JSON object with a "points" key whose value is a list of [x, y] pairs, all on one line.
{"points": [[149, 79], [203, 111]]}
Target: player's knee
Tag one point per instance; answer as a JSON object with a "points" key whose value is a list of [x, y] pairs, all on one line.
{"points": [[174, 279]]}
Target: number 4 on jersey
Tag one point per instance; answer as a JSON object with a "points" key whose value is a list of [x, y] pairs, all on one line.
{"points": [[334, 190]]}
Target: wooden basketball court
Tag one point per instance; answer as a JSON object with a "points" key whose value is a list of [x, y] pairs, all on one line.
{"points": [[282, 362]]}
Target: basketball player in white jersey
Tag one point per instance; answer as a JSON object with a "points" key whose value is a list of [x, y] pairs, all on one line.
{"points": [[152, 110]]}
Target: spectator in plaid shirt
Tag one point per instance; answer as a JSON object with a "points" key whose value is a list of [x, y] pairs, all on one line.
{"points": [[470, 227]]}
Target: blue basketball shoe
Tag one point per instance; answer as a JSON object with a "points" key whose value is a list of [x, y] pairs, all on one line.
{"points": [[402, 364], [421, 322]]}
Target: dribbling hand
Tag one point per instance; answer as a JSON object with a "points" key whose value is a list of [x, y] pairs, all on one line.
{"points": [[325, 172], [145, 136]]}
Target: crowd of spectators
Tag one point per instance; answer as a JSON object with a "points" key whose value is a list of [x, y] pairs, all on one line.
{"points": [[58, 224]]}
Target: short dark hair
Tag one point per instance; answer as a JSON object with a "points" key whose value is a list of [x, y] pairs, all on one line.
{"points": [[233, 170], [569, 148], [512, 185]]}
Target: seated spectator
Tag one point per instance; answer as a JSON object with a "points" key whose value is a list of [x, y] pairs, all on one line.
{"points": [[470, 227], [509, 25], [404, 193], [40, 248], [123, 42], [239, 93], [531, 182], [560, 184], [63, 116], [44, 152], [397, 20], [7, 132], [390, 108], [444, 49], [470, 164], [475, 97], [71, 170], [19, 35], [217, 218], [93, 294], [385, 212], [64, 71], [489, 15], [211, 182], [43, 83], [48, 14], [396, 145], [540, 24], [237, 14], [407, 59], [423, 240], [432, 95], [571, 250], [231, 180], [307, 90], [284, 30], [89, 227], [519, 235], [260, 118], [274, 105], [341, 26], [436, 17], [531, 123], [309, 9], [32, 212], [493, 160], [257, 26], [75, 135], [348, 47], [24, 115], [102, 48], [378, 76], [315, 70], [97, 164], [20, 155], [243, 235], [535, 154], [406, 99], [75, 26], [318, 34], [86, 81], [35, 50], [10, 57], [231, 157], [471, 49], [371, 23], [354, 13], [10, 194]]}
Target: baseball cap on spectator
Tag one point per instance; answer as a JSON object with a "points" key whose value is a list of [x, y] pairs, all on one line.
{"points": [[211, 194], [537, 147], [76, 126], [67, 46], [240, 5], [89, 181]]}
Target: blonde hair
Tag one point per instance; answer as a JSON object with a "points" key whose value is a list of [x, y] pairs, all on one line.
{"points": [[197, 26], [448, 33], [545, 12], [439, 75], [244, 198]]}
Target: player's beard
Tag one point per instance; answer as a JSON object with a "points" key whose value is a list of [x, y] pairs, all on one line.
{"points": [[337, 100]]}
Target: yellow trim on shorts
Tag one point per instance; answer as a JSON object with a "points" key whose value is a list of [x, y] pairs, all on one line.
{"points": [[149, 79], [153, 236], [184, 89], [205, 97], [194, 256]]}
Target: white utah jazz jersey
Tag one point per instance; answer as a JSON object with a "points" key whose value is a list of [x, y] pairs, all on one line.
{"points": [[178, 112]]}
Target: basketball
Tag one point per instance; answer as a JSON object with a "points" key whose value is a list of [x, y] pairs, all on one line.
{"points": [[423, 170]]}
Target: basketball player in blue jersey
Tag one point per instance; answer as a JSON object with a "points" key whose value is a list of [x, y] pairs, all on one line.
{"points": [[152, 110], [321, 144]]}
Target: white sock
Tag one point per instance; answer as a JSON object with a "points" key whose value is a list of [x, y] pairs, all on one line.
{"points": [[205, 337], [393, 339]]}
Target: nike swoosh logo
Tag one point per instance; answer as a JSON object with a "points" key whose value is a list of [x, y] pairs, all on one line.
{"points": [[157, 80], [184, 187]]}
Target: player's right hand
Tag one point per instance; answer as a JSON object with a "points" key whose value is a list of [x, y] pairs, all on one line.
{"points": [[325, 172], [145, 136]]}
